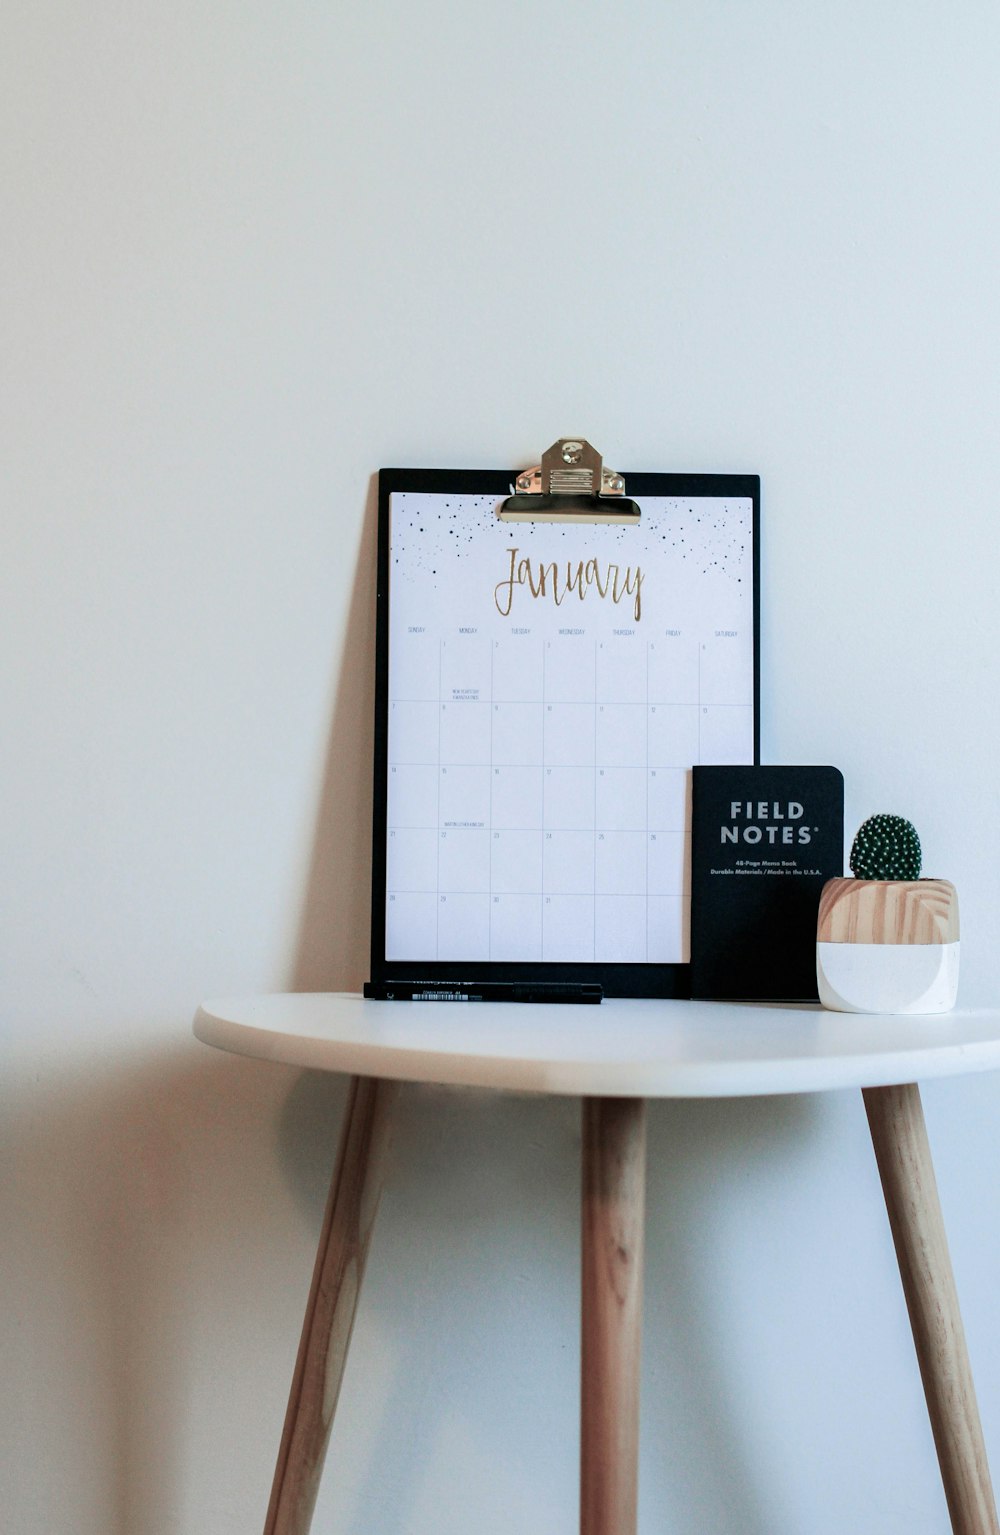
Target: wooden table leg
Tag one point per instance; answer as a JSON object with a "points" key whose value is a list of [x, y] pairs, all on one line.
{"points": [[902, 1151], [326, 1332], [613, 1232]]}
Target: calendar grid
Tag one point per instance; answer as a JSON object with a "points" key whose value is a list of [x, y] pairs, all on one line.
{"points": [[492, 707], [437, 880], [518, 826], [647, 802], [621, 746], [596, 829]]}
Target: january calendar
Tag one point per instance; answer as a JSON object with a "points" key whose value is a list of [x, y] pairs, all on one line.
{"points": [[544, 691]]}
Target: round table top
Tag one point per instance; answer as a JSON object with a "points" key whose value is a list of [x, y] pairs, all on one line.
{"points": [[621, 1048]]}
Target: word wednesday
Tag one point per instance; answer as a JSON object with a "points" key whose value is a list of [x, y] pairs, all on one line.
{"points": [[556, 581]]}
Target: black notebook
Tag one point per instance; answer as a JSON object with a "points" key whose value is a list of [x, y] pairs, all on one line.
{"points": [[764, 840]]}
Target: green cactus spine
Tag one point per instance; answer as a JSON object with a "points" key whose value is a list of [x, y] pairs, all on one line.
{"points": [[886, 847]]}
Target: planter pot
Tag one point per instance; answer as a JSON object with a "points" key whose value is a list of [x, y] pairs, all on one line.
{"points": [[887, 946]]}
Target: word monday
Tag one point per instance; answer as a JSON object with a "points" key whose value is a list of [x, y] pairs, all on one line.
{"points": [[557, 581], [747, 814]]}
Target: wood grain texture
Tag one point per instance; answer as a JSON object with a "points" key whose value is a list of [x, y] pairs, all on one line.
{"points": [[899, 1135], [351, 1208], [613, 1231], [888, 911]]}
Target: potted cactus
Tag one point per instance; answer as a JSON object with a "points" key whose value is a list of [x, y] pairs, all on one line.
{"points": [[887, 940]]}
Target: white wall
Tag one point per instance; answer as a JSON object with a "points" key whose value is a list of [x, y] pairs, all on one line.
{"points": [[253, 251]]}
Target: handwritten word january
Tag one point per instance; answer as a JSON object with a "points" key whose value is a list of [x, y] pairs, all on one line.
{"points": [[558, 581]]}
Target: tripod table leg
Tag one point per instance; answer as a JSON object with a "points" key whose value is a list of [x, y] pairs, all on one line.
{"points": [[326, 1332], [613, 1231], [899, 1135]]}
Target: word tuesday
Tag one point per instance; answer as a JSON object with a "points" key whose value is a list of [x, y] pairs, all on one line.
{"points": [[557, 581]]}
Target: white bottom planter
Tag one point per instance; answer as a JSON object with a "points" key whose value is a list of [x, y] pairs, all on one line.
{"points": [[888, 977]]}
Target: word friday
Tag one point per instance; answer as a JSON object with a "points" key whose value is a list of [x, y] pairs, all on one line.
{"points": [[558, 581]]}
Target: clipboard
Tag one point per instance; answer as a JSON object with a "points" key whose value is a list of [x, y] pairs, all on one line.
{"points": [[556, 648]]}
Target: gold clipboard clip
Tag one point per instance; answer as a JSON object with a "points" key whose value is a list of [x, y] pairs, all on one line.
{"points": [[571, 484]]}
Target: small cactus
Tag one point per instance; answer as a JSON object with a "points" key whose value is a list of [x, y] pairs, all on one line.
{"points": [[886, 847]]}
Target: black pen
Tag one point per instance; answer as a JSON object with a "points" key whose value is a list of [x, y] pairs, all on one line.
{"points": [[484, 991]]}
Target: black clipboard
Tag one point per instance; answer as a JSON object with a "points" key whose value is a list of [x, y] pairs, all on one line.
{"points": [[442, 536]]}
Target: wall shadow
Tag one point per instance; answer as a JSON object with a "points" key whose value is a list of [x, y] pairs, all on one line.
{"points": [[334, 925], [140, 1246], [700, 1466], [474, 1280]]}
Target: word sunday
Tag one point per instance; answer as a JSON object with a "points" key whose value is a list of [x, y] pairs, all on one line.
{"points": [[558, 581]]}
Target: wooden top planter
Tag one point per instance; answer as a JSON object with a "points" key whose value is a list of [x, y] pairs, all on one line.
{"points": [[898, 911]]}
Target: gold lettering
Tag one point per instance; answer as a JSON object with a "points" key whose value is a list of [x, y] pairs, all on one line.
{"points": [[544, 581], [636, 587], [509, 585], [594, 575], [538, 588], [557, 595]]}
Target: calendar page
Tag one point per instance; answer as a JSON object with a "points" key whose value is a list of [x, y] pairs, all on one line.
{"points": [[549, 689]]}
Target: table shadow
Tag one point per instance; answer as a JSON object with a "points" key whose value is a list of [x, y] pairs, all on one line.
{"points": [[136, 1244], [470, 1309]]}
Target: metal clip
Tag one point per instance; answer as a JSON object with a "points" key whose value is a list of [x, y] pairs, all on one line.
{"points": [[571, 484]]}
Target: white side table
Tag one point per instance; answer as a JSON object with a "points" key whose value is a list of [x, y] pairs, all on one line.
{"points": [[614, 1057]]}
